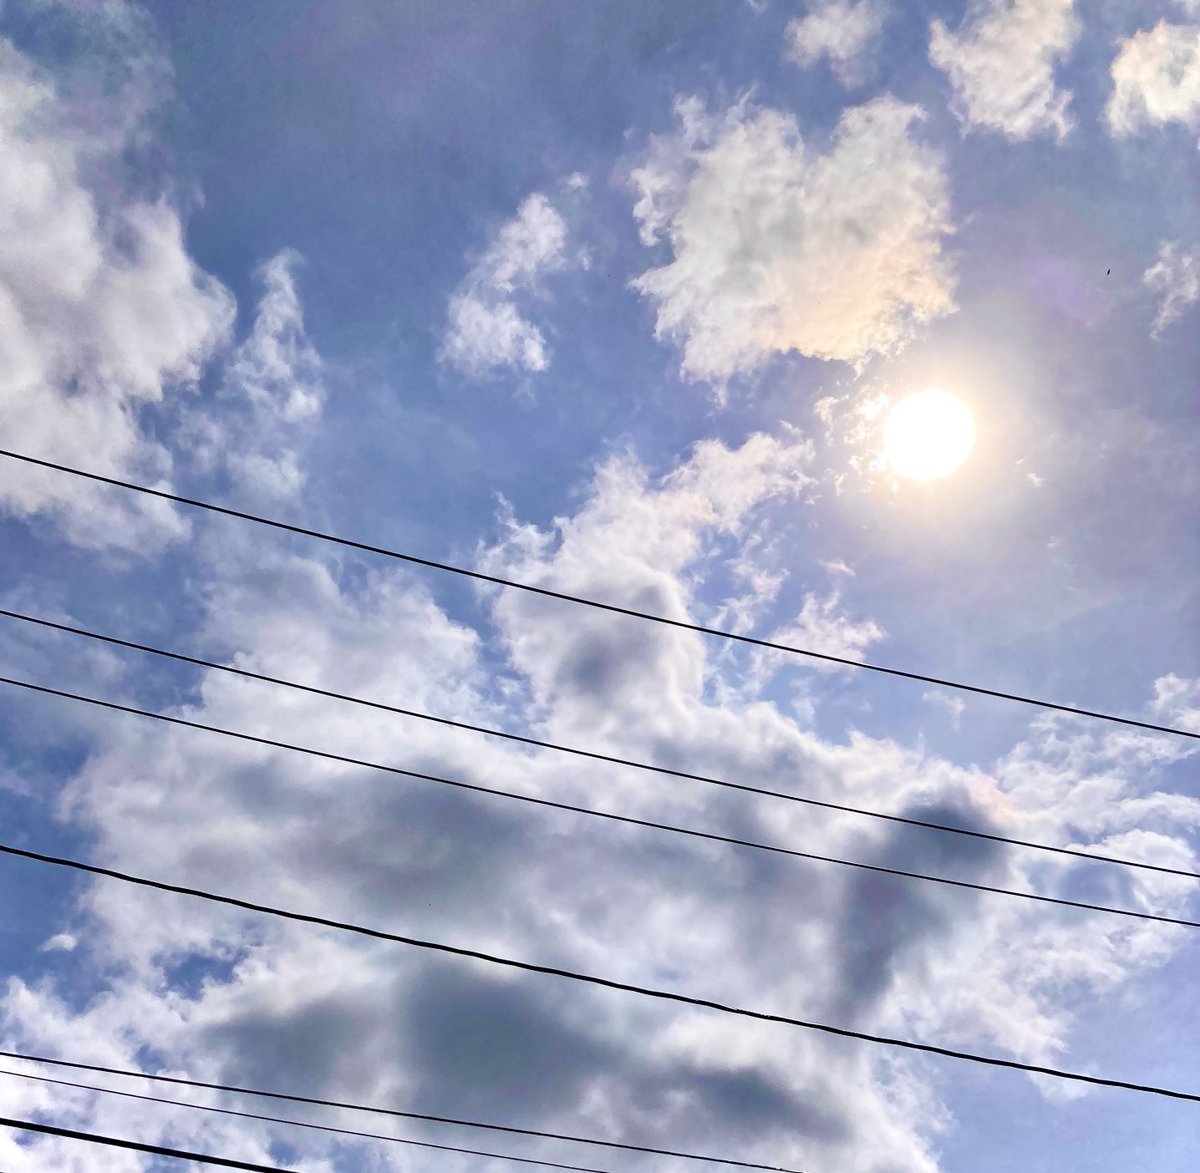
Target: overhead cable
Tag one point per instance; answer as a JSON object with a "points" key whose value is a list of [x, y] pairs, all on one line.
{"points": [[444, 948], [369, 1109], [610, 816], [596, 604], [118, 1142], [350, 1132], [593, 755]]}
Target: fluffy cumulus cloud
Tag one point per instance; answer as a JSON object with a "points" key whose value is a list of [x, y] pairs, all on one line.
{"points": [[486, 329], [636, 543], [776, 247], [843, 31], [1156, 79], [102, 311], [232, 998], [1001, 63], [1175, 277]]}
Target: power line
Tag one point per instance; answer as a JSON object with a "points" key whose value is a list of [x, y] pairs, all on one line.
{"points": [[421, 1144], [558, 747], [178, 1081], [592, 755], [590, 979], [612, 608], [630, 820], [117, 1142]]}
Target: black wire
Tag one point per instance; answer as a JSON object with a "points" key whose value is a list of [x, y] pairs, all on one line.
{"points": [[422, 1144], [179, 1081], [592, 979], [710, 836], [613, 608], [117, 1142], [592, 754]]}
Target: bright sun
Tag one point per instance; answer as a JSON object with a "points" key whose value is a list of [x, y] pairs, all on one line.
{"points": [[928, 435]]}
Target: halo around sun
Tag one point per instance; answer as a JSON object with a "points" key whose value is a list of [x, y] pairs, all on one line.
{"points": [[928, 434]]}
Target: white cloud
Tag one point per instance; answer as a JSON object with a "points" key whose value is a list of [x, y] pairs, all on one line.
{"points": [[632, 542], [102, 312], [954, 705], [236, 998], [60, 943], [486, 330], [374, 1022], [484, 335], [841, 30], [1156, 79], [757, 577], [775, 249], [1177, 701], [821, 627], [1001, 65], [276, 367], [269, 399], [1175, 277]]}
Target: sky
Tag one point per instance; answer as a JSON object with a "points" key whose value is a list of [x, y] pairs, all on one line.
{"points": [[618, 300]]}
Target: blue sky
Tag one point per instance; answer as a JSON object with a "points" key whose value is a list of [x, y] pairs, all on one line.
{"points": [[617, 299]]}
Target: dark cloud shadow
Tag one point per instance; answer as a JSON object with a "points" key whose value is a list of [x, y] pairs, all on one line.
{"points": [[317, 1049], [415, 845], [690, 1100], [494, 1049], [886, 918]]}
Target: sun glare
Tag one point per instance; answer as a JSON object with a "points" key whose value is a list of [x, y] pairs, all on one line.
{"points": [[928, 435]]}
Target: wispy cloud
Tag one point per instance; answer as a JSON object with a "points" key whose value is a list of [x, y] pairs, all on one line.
{"points": [[486, 329], [954, 705], [1175, 277], [269, 398]]}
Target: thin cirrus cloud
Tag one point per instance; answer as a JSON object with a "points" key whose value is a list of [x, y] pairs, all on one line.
{"points": [[1156, 79], [1001, 64], [778, 248], [842, 31], [486, 327]]}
